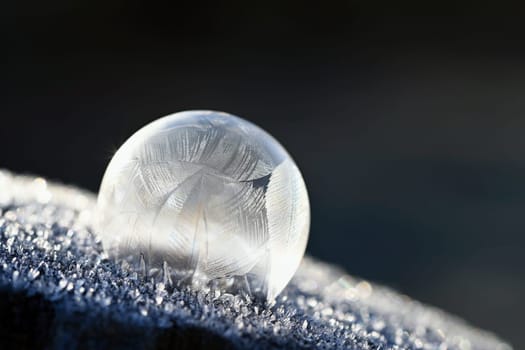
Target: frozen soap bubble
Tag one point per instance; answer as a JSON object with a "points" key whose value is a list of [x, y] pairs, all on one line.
{"points": [[210, 195]]}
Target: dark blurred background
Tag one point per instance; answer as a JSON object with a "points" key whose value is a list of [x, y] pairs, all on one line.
{"points": [[407, 120]]}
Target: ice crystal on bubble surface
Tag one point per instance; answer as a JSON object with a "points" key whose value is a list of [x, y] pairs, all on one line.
{"points": [[48, 249], [210, 194]]}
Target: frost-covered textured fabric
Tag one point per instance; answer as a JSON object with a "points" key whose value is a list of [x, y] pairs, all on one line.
{"points": [[52, 265], [210, 194]]}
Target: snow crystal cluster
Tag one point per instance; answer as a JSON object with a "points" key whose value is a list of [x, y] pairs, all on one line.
{"points": [[48, 249]]}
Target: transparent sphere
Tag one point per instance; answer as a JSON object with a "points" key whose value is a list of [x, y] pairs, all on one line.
{"points": [[210, 195]]}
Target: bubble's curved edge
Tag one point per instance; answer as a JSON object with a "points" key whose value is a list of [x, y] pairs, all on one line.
{"points": [[169, 121]]}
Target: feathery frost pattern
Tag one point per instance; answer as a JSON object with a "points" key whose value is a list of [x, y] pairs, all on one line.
{"points": [[209, 194]]}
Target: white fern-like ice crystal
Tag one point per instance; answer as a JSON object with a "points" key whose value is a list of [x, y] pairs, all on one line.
{"points": [[210, 195]]}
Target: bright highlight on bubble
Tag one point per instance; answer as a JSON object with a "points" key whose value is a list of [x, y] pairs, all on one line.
{"points": [[210, 195]]}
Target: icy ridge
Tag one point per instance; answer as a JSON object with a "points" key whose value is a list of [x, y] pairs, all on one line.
{"points": [[47, 249]]}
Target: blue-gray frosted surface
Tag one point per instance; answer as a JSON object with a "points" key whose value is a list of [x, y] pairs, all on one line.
{"points": [[47, 248]]}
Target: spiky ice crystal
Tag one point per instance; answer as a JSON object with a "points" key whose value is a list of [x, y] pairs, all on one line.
{"points": [[210, 195]]}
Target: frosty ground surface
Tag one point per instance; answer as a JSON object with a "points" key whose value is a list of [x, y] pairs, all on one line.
{"points": [[49, 253]]}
